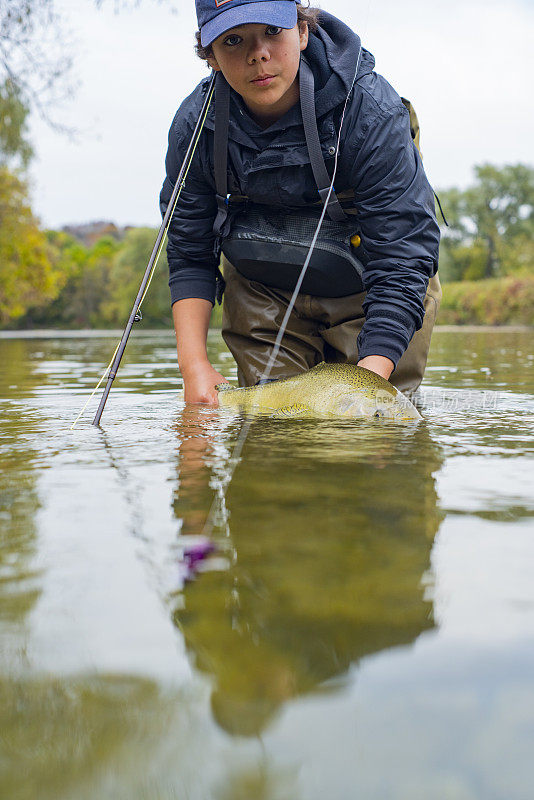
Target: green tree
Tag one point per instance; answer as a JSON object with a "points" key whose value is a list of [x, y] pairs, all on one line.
{"points": [[489, 223], [83, 282], [42, 280], [126, 274], [91, 286], [127, 271], [27, 277], [14, 144]]}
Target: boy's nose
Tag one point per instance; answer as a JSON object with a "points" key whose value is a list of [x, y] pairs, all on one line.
{"points": [[258, 52]]}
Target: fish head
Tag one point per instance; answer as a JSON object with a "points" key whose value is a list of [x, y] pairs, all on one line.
{"points": [[378, 404], [355, 406]]}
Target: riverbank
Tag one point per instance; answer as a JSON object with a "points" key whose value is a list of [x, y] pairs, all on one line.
{"points": [[494, 302], [114, 333]]}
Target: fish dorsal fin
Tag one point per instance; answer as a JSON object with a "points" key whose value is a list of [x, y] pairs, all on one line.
{"points": [[317, 368], [223, 387]]}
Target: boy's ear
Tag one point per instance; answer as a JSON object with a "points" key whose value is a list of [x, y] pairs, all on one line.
{"points": [[304, 35], [212, 61]]}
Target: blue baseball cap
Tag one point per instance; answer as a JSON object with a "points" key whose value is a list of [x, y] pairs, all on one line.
{"points": [[215, 17]]}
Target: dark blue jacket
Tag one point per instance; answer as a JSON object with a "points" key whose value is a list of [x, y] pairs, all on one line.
{"points": [[378, 160]]}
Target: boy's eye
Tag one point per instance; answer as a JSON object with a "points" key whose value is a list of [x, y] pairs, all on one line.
{"points": [[232, 40], [272, 30]]}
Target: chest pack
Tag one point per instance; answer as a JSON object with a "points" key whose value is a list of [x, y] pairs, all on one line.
{"points": [[270, 244]]}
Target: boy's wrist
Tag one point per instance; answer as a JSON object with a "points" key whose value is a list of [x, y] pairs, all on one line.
{"points": [[381, 365], [191, 366]]}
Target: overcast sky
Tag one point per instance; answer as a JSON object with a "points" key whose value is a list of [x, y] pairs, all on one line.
{"points": [[467, 66]]}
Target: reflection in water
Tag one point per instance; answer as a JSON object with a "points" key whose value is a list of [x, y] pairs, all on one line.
{"points": [[19, 504], [326, 535], [202, 458], [54, 732], [329, 539]]}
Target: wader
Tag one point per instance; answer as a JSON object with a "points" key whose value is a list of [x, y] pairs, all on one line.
{"points": [[319, 329]]}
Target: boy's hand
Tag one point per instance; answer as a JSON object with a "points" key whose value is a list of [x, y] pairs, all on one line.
{"points": [[380, 364], [200, 382]]}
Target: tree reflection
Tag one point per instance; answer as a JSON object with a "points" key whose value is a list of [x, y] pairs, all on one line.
{"points": [[19, 504], [330, 530]]}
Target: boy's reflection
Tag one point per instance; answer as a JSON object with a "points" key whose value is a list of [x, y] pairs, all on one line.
{"points": [[331, 525]]}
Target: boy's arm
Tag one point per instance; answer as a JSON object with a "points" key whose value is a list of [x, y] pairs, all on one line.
{"points": [[399, 232], [191, 257], [191, 322], [190, 247]]}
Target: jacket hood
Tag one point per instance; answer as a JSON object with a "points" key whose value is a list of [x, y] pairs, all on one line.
{"points": [[332, 53]]}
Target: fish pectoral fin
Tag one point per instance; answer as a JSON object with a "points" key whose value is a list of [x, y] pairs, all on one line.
{"points": [[296, 410]]}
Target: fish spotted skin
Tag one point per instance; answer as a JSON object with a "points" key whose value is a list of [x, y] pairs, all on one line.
{"points": [[341, 390]]}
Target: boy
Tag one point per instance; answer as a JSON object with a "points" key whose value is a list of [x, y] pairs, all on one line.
{"points": [[258, 46]]}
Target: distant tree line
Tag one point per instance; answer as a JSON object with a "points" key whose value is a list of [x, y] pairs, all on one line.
{"points": [[96, 285], [52, 279], [65, 283]]}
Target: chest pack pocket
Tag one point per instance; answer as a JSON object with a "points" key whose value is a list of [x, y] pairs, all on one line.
{"points": [[270, 244]]}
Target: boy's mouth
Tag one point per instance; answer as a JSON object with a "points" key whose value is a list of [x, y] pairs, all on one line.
{"points": [[263, 80]]}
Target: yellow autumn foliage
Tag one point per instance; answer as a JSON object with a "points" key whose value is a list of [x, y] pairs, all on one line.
{"points": [[27, 277]]}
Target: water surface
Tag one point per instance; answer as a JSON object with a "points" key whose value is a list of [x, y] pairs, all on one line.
{"points": [[365, 628]]}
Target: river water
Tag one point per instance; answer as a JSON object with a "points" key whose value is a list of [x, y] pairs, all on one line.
{"points": [[364, 628]]}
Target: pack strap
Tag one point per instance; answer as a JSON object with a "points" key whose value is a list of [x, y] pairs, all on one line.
{"points": [[311, 131], [220, 151]]}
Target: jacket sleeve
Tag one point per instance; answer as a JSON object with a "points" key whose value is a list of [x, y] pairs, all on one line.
{"points": [[400, 235], [190, 248]]}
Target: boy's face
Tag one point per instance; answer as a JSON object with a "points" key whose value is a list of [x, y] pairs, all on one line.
{"points": [[261, 63]]}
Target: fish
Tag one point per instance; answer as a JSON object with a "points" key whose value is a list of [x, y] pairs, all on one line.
{"points": [[334, 390]]}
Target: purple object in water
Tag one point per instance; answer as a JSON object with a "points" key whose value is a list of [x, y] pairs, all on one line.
{"points": [[195, 554]]}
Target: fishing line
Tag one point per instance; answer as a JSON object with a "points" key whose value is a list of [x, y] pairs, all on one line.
{"points": [[194, 144], [95, 390], [245, 430], [178, 195]]}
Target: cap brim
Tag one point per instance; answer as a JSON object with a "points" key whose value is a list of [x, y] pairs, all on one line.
{"points": [[281, 13]]}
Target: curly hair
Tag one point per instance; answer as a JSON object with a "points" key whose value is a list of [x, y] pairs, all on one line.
{"points": [[306, 16]]}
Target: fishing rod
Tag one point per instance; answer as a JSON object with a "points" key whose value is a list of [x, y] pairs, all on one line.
{"points": [[135, 315]]}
